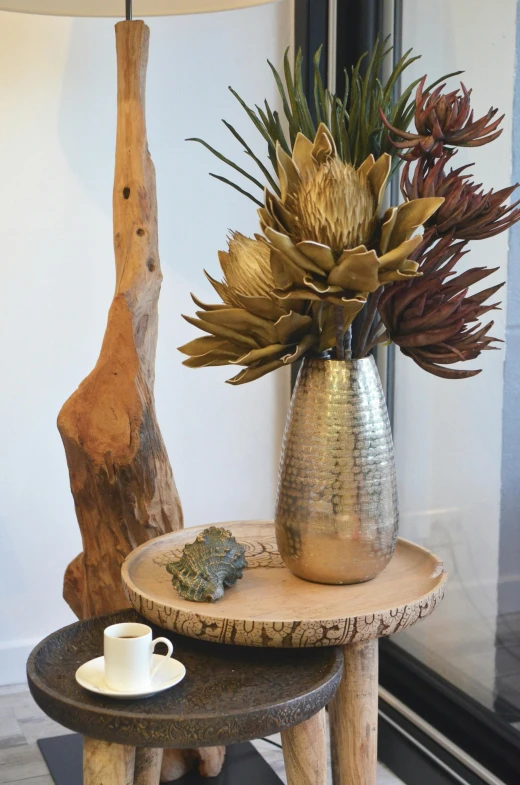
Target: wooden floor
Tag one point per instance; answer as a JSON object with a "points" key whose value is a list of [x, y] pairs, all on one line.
{"points": [[22, 723]]}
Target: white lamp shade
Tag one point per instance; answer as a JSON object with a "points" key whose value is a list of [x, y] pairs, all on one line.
{"points": [[116, 8]]}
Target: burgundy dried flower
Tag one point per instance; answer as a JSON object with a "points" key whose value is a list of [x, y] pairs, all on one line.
{"points": [[433, 320], [468, 213], [444, 119]]}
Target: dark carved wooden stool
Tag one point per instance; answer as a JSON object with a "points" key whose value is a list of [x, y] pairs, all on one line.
{"points": [[230, 694]]}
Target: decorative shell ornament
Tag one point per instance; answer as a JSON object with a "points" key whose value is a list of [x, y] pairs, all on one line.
{"points": [[214, 561]]}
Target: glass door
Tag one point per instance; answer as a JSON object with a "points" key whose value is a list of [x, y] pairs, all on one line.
{"points": [[457, 445]]}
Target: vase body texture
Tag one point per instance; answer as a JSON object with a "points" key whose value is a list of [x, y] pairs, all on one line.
{"points": [[336, 511]]}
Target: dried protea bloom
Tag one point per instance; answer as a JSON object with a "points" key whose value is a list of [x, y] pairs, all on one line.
{"points": [[444, 119], [468, 213], [250, 327], [435, 322], [246, 269], [328, 242]]}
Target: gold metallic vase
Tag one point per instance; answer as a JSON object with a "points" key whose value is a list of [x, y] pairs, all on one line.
{"points": [[336, 511]]}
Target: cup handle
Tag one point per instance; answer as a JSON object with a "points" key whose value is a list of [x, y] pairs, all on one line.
{"points": [[169, 644]]}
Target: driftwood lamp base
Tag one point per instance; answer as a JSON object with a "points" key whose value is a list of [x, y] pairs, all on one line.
{"points": [[120, 475]]}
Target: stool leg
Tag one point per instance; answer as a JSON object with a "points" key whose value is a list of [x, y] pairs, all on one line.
{"points": [[107, 764], [147, 766], [305, 752], [353, 717]]}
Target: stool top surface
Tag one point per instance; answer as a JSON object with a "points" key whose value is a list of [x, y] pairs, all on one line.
{"points": [[229, 694], [271, 607]]}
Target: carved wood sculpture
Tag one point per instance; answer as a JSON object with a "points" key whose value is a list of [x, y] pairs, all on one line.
{"points": [[120, 475]]}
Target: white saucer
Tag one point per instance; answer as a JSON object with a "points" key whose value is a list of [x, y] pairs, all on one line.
{"points": [[91, 676]]}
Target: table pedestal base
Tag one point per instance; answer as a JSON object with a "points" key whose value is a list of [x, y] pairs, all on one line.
{"points": [[147, 766], [305, 752], [353, 717], [105, 763]]}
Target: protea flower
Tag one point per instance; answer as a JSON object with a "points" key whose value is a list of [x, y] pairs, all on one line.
{"points": [[434, 320], [250, 327], [328, 242], [468, 213], [444, 119]]}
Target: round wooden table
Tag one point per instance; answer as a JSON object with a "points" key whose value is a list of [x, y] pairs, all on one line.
{"points": [[272, 608], [228, 695]]}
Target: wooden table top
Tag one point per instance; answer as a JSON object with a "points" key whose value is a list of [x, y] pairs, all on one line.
{"points": [[229, 694], [271, 607]]}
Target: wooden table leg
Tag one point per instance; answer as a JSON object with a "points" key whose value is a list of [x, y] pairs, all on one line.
{"points": [[353, 717], [305, 752], [107, 764], [147, 766]]}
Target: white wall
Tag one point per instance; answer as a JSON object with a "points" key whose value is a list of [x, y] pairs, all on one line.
{"points": [[448, 434], [57, 87]]}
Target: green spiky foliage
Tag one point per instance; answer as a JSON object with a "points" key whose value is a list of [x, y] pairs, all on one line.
{"points": [[354, 119]]}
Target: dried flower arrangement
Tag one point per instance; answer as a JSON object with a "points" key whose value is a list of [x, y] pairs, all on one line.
{"points": [[327, 255]]}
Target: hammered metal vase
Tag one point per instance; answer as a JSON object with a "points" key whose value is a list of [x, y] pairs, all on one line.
{"points": [[336, 512]]}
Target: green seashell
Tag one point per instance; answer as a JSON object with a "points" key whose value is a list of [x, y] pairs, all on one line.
{"points": [[215, 560]]}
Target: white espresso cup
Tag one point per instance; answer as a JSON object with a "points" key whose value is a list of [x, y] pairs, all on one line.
{"points": [[128, 654]]}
